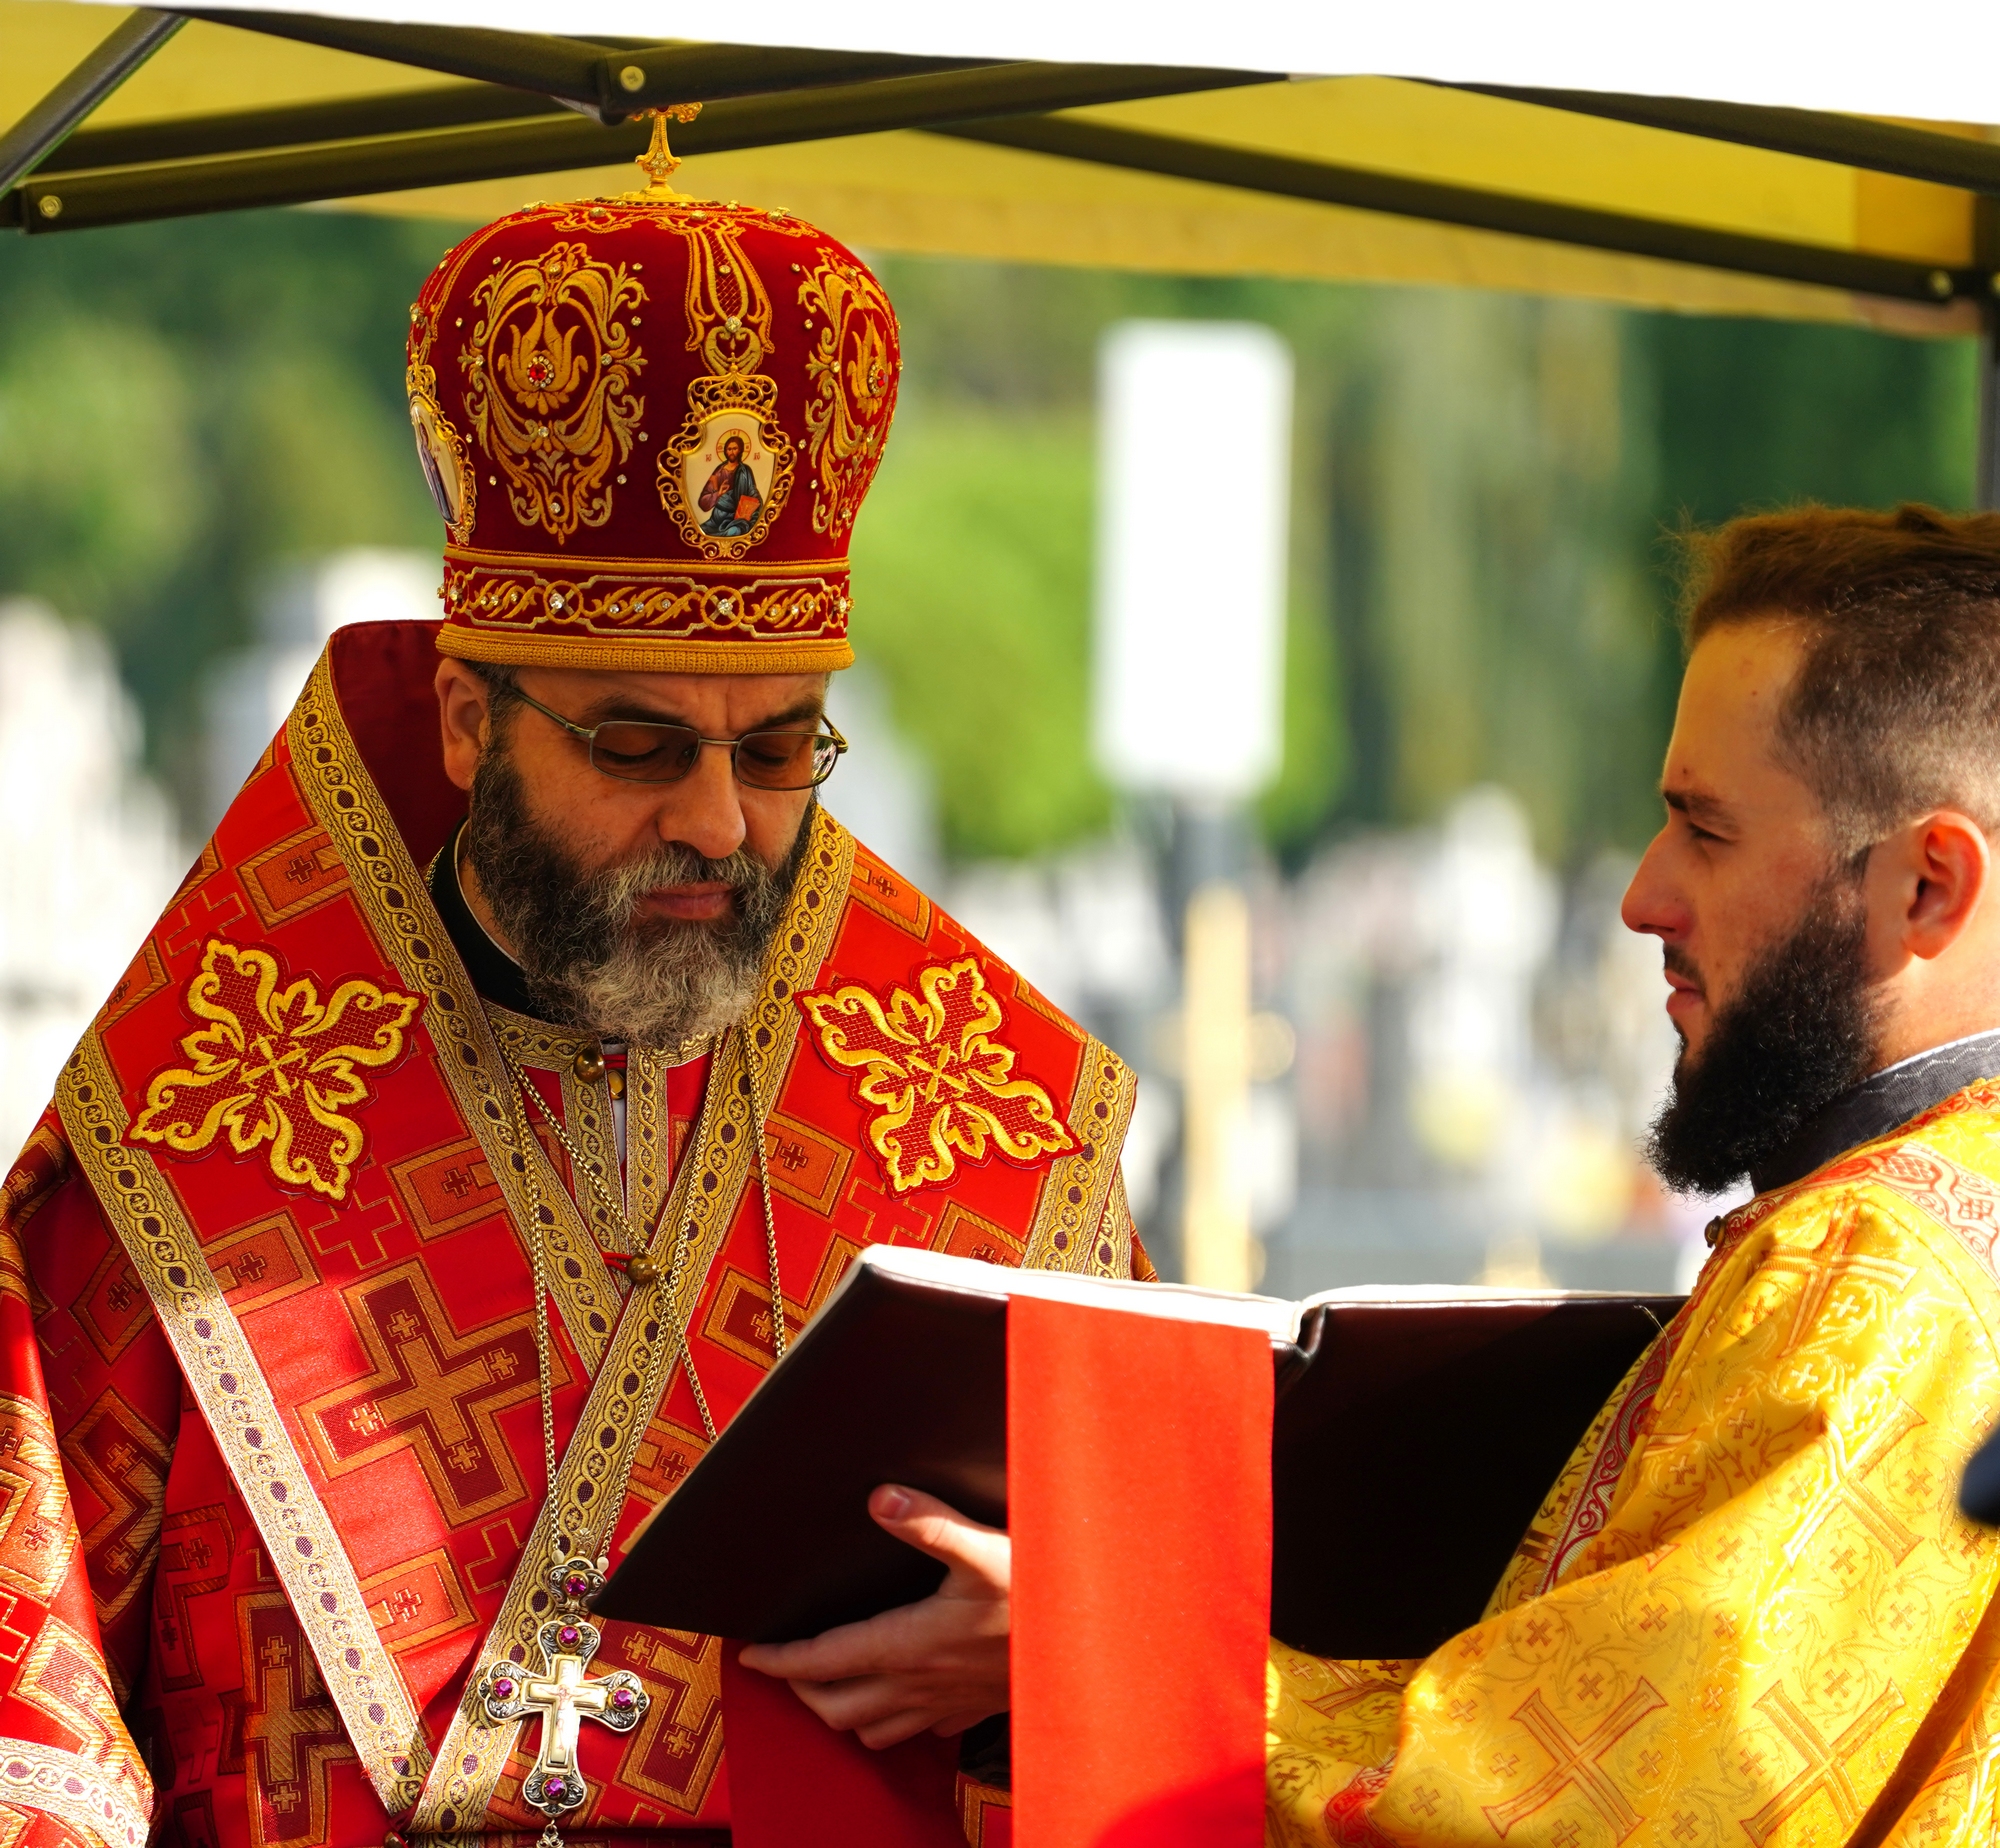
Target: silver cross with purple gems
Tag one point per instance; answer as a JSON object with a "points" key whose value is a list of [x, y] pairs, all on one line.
{"points": [[563, 1695]]}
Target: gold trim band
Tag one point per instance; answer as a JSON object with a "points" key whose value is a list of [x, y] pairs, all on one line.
{"points": [[1067, 1233], [649, 655], [655, 568], [72, 1789], [395, 901], [222, 1372]]}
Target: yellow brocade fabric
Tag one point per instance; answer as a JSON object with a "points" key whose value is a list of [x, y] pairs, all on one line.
{"points": [[1749, 1612]]}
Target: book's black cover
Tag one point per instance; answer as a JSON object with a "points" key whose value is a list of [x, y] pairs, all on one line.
{"points": [[1408, 1455], [769, 1538]]}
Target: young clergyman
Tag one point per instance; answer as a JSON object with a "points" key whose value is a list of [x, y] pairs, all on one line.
{"points": [[1748, 1611]]}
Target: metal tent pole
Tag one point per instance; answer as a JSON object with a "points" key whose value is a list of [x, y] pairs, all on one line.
{"points": [[1986, 485], [131, 42], [1986, 253]]}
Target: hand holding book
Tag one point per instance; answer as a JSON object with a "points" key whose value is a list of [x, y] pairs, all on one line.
{"points": [[938, 1665]]}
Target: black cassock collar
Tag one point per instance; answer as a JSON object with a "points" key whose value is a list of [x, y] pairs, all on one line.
{"points": [[494, 973], [1876, 1105]]}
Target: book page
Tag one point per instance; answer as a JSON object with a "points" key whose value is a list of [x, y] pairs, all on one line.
{"points": [[1177, 1302], [1389, 1295]]}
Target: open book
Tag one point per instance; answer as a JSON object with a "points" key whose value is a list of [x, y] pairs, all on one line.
{"points": [[1417, 1431]]}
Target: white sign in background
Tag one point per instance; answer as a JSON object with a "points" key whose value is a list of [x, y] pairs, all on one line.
{"points": [[1194, 487]]}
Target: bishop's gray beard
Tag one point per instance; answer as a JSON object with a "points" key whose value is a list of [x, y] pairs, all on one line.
{"points": [[1799, 1031], [590, 959]]}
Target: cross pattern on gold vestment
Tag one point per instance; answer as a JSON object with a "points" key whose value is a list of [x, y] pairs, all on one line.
{"points": [[1576, 1762], [1822, 1271], [1826, 1765], [1847, 1489]]}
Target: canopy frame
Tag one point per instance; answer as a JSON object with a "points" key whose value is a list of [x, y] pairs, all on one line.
{"points": [[530, 103]]}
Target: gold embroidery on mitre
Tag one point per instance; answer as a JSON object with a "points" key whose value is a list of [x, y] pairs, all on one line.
{"points": [[853, 387], [612, 603], [941, 1081], [549, 372], [274, 1066], [727, 473]]}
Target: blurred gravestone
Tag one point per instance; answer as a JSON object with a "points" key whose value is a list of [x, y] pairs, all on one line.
{"points": [[88, 842], [250, 692]]}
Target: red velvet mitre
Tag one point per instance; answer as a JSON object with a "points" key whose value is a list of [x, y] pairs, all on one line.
{"points": [[648, 422]]}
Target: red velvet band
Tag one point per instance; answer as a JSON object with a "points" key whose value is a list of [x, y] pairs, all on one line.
{"points": [[794, 1781], [1139, 1497], [1139, 1490]]}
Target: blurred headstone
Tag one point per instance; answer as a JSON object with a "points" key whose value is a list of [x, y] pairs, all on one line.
{"points": [[88, 842], [251, 691]]}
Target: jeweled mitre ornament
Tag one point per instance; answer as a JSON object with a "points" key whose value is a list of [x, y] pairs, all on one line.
{"points": [[648, 422]]}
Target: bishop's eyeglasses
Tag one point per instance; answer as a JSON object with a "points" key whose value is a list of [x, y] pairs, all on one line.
{"points": [[640, 751]]}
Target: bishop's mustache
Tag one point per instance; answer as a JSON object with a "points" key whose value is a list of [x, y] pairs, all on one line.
{"points": [[620, 889]]}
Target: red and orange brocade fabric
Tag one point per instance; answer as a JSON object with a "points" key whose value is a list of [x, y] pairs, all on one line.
{"points": [[270, 1459], [1749, 1612]]}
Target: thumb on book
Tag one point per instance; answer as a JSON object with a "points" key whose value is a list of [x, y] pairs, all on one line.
{"points": [[980, 1556]]}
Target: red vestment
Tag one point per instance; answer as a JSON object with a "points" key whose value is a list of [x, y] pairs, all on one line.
{"points": [[271, 1476]]}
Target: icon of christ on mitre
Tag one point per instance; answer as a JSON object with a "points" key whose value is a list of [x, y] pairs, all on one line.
{"points": [[464, 1143]]}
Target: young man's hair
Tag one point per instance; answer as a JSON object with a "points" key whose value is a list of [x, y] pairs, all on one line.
{"points": [[1896, 708]]}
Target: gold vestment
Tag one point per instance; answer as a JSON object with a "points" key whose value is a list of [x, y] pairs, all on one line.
{"points": [[1749, 1612]]}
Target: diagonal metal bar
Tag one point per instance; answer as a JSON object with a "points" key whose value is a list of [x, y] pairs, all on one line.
{"points": [[608, 84], [659, 74], [1474, 207], [565, 68], [1852, 141], [44, 128], [394, 163], [236, 131]]}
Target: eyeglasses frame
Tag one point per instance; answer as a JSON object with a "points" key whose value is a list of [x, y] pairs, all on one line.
{"points": [[588, 733]]}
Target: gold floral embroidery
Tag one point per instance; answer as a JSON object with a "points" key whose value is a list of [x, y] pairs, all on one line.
{"points": [[274, 1066], [851, 370], [549, 372], [931, 1063]]}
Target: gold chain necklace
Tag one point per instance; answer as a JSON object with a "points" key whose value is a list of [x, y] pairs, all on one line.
{"points": [[565, 1694]]}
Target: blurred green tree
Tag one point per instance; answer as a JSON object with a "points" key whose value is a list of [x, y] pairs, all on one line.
{"points": [[183, 408]]}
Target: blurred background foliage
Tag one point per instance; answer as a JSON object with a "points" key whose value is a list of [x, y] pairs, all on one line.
{"points": [[1482, 585]]}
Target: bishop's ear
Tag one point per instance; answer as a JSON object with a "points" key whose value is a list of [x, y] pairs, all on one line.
{"points": [[462, 713]]}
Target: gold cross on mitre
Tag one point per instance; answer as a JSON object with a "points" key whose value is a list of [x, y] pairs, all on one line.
{"points": [[563, 1695], [659, 163]]}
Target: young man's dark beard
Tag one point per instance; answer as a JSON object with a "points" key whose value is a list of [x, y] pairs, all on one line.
{"points": [[1799, 1032], [591, 960]]}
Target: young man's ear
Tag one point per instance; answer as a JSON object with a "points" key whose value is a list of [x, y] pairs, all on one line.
{"points": [[1934, 875], [463, 709]]}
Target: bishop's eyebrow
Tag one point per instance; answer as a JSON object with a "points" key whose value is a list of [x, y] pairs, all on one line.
{"points": [[621, 706]]}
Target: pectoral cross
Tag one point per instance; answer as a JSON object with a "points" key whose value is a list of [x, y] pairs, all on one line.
{"points": [[563, 1696]]}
